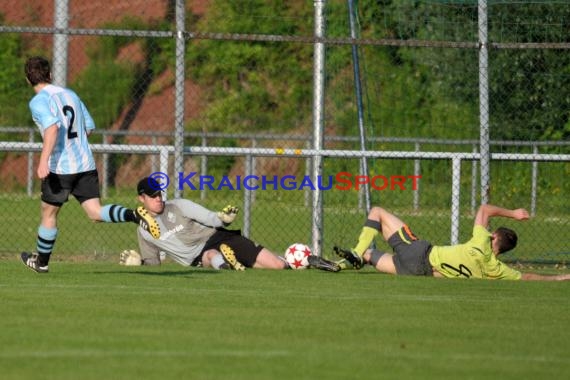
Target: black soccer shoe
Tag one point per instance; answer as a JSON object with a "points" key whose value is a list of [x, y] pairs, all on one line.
{"points": [[318, 262], [351, 256], [32, 261]]}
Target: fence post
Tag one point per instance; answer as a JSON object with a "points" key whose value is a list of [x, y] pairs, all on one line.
{"points": [[485, 157], [179, 92], [365, 190], [534, 183], [318, 124], [60, 42], [105, 171], [247, 198], [455, 193], [417, 172], [308, 170], [163, 150], [474, 182], [253, 167], [203, 166], [30, 187]]}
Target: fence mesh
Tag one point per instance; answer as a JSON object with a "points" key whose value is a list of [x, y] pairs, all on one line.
{"points": [[247, 69]]}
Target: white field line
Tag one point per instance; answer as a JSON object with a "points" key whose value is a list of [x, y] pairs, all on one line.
{"points": [[469, 357]]}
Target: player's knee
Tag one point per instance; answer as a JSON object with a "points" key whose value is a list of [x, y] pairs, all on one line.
{"points": [[92, 211], [94, 216], [375, 213], [208, 256]]}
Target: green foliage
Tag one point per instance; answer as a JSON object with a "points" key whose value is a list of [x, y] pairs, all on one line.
{"points": [[529, 94], [158, 52], [251, 85], [533, 86], [14, 91], [534, 89], [408, 92], [105, 87], [121, 81]]}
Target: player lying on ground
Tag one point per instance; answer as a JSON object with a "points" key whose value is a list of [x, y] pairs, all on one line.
{"points": [[475, 259], [66, 164], [195, 236]]}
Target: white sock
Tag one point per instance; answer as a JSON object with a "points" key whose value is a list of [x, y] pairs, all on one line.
{"points": [[218, 261]]}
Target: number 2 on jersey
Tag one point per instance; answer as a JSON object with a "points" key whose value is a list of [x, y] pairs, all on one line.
{"points": [[71, 134]]}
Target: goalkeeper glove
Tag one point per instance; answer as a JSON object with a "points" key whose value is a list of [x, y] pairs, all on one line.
{"points": [[228, 214], [130, 257]]}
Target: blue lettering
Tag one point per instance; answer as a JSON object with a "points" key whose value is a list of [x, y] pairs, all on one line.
{"points": [[306, 182], [246, 185], [289, 185], [225, 182], [185, 180], [265, 182], [320, 183], [207, 180]]}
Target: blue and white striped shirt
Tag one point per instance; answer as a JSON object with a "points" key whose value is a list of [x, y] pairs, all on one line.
{"points": [[62, 107]]}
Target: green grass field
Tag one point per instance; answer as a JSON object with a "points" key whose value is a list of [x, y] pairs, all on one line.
{"points": [[99, 320]]}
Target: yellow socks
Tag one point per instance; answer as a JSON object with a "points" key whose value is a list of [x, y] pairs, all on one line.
{"points": [[369, 231]]}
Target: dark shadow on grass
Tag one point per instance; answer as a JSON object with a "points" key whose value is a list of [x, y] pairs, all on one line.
{"points": [[164, 273]]}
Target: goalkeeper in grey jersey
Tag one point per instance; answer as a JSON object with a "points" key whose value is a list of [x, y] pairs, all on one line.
{"points": [[195, 236]]}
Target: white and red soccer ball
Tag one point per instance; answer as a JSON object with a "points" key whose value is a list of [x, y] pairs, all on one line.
{"points": [[297, 255]]}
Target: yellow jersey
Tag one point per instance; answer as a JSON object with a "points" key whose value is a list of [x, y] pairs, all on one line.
{"points": [[474, 259]]}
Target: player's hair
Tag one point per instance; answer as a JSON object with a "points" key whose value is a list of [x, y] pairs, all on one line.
{"points": [[506, 239], [37, 70]]}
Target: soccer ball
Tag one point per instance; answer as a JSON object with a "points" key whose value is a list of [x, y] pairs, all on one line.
{"points": [[297, 256]]}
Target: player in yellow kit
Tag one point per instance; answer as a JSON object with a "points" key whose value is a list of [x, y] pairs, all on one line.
{"points": [[476, 258]]}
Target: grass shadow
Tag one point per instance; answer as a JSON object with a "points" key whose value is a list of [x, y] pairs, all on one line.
{"points": [[167, 273]]}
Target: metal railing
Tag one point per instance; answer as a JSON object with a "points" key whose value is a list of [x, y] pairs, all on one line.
{"points": [[456, 158]]}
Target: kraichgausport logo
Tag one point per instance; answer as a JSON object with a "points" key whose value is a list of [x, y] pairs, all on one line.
{"points": [[341, 181]]}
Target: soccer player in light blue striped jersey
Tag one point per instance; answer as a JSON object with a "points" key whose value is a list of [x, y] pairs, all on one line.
{"points": [[66, 165]]}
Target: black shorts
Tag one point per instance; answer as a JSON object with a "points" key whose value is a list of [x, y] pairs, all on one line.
{"points": [[57, 187], [411, 255], [246, 251]]}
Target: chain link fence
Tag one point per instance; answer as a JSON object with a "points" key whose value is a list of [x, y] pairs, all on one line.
{"points": [[442, 104]]}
